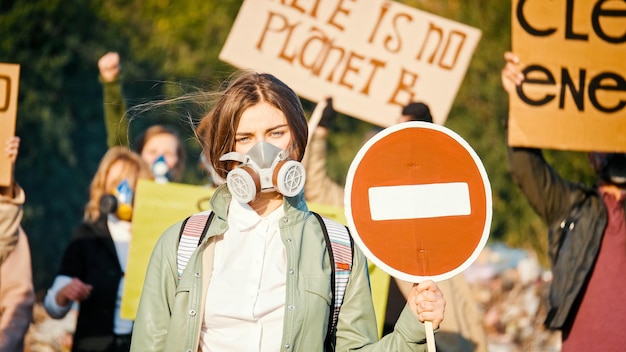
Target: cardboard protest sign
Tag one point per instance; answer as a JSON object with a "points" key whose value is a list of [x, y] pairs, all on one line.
{"points": [[573, 55], [372, 57], [158, 206], [9, 87]]}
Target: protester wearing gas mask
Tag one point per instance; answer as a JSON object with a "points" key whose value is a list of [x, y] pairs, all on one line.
{"points": [[260, 278], [264, 168], [159, 145], [92, 268], [587, 240]]}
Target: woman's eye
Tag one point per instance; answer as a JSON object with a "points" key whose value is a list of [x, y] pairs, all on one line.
{"points": [[277, 133]]}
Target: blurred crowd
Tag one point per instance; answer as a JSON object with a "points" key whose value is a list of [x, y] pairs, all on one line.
{"points": [[504, 302], [509, 285]]}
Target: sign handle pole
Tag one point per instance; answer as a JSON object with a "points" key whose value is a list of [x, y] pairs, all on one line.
{"points": [[430, 336], [316, 116], [428, 325]]}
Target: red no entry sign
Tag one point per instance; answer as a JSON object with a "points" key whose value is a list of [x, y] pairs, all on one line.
{"points": [[418, 202]]}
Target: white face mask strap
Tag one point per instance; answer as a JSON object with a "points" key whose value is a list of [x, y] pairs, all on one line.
{"points": [[234, 156]]}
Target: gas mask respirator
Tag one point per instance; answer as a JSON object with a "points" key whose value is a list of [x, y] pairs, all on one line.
{"points": [[160, 170], [265, 168], [613, 168], [118, 203]]}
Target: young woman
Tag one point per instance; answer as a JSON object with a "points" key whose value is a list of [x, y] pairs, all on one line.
{"points": [[261, 278], [93, 264]]}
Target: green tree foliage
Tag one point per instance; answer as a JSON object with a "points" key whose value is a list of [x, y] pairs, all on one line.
{"points": [[59, 120], [170, 47], [163, 44]]}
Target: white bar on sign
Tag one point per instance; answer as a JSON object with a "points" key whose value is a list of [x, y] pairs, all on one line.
{"points": [[419, 201]]}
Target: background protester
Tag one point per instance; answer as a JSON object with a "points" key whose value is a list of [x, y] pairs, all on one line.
{"points": [[17, 296], [156, 144], [587, 236], [92, 267], [462, 329]]}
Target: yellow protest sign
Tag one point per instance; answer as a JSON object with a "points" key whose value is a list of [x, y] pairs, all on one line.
{"points": [[9, 86], [157, 206], [573, 55], [371, 56]]}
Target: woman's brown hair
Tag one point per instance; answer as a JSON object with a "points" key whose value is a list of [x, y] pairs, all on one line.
{"points": [[216, 131], [133, 165]]}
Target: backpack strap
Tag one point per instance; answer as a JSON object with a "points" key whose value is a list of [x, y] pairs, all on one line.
{"points": [[191, 235], [339, 245]]}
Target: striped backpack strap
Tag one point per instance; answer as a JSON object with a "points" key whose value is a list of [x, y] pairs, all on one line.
{"points": [[191, 235], [339, 244]]}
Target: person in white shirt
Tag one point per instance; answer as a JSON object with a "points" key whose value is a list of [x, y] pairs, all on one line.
{"points": [[260, 279]]}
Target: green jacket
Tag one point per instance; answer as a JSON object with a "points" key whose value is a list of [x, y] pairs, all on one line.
{"points": [[115, 121], [170, 314]]}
